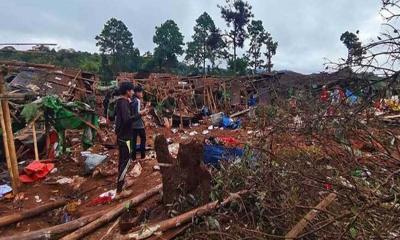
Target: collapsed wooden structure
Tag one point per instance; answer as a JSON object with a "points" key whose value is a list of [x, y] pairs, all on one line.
{"points": [[21, 83], [44, 79]]}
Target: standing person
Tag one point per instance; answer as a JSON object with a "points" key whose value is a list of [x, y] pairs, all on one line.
{"points": [[138, 124], [123, 129]]}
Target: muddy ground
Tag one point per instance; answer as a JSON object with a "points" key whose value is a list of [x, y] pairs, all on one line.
{"points": [[92, 186]]}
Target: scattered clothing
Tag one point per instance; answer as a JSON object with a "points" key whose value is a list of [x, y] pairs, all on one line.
{"points": [[4, 189], [36, 170], [324, 96], [104, 198]]}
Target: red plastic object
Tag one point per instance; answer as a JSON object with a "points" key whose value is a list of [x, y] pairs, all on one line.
{"points": [[100, 201], [36, 170]]}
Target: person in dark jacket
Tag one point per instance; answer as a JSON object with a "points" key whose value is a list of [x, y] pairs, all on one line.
{"points": [[123, 129], [138, 128]]}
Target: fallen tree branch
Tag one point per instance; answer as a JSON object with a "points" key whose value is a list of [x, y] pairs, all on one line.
{"points": [[112, 214], [177, 221], [58, 230], [299, 227], [4, 221]]}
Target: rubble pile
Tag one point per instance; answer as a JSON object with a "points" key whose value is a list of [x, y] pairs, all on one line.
{"points": [[246, 157]]}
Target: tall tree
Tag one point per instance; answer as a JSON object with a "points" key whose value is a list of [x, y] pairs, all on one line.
{"points": [[271, 47], [237, 14], [116, 41], [206, 41], [258, 36], [217, 46], [169, 41], [353, 45]]}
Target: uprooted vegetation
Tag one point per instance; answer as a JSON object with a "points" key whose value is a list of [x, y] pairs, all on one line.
{"points": [[291, 170]]}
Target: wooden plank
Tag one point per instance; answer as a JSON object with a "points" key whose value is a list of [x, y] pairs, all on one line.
{"points": [[302, 224]]}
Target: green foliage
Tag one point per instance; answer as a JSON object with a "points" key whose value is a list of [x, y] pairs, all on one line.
{"points": [[238, 66], [237, 14], [169, 41], [207, 43], [271, 46], [258, 37], [353, 45], [63, 58], [116, 42], [62, 116]]}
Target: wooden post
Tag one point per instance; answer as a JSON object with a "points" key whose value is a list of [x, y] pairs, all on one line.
{"points": [[7, 130], [180, 112], [7, 153], [35, 146]]}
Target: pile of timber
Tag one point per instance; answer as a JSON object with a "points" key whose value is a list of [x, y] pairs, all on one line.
{"points": [[83, 225]]}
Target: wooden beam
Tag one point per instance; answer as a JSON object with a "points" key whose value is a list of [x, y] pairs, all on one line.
{"points": [[16, 217], [302, 224], [179, 220], [55, 232], [112, 214], [35, 146], [7, 130]]}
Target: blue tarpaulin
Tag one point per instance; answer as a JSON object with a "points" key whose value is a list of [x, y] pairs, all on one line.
{"points": [[351, 97], [252, 101], [228, 122], [214, 153]]}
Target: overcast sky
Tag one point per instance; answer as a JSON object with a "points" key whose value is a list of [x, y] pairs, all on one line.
{"points": [[307, 30]]}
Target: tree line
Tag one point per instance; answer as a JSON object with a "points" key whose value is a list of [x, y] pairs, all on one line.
{"points": [[211, 50], [208, 49]]}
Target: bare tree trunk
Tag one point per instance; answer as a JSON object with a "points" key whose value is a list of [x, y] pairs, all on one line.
{"points": [[234, 55], [269, 63], [204, 59]]}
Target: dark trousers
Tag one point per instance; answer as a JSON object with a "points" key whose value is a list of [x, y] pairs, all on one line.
{"points": [[123, 163], [142, 134]]}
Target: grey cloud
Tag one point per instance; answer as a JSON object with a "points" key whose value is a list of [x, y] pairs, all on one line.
{"points": [[307, 31]]}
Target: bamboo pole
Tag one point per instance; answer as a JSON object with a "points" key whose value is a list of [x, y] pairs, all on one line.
{"points": [[7, 153], [56, 231], [302, 224], [112, 214], [6, 220], [9, 135], [174, 222], [35, 146]]}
